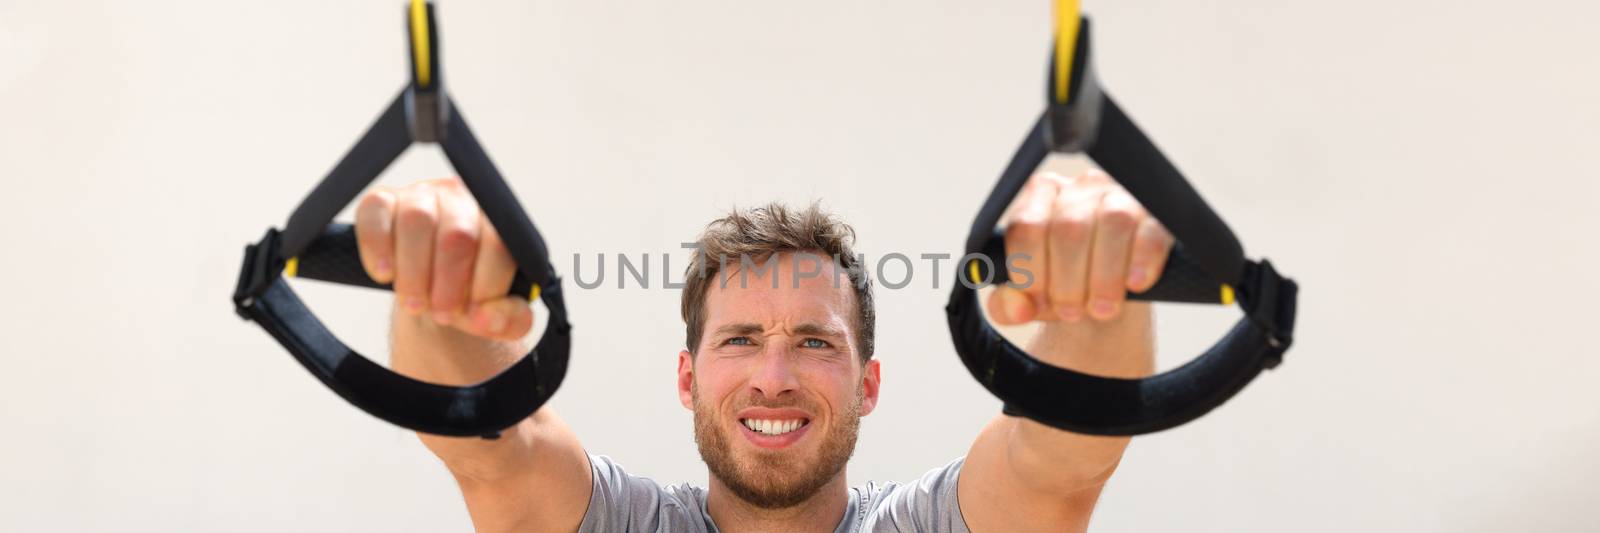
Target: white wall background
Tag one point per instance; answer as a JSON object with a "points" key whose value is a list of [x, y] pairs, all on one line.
{"points": [[1425, 169]]}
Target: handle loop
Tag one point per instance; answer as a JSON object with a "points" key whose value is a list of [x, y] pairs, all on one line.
{"points": [[311, 246], [1207, 266]]}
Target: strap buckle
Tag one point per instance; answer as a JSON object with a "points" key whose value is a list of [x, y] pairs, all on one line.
{"points": [[1270, 300], [261, 267]]}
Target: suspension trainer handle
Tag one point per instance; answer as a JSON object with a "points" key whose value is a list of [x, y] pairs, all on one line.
{"points": [[1207, 266], [311, 246]]}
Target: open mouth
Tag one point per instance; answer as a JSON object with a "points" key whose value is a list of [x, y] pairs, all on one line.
{"points": [[774, 433], [774, 427]]}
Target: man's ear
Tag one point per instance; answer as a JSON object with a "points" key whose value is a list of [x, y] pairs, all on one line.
{"points": [[869, 386], [686, 379]]}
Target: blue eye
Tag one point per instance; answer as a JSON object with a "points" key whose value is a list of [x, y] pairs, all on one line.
{"points": [[738, 341], [816, 343]]}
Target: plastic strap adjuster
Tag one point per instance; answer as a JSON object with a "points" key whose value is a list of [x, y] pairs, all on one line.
{"points": [[261, 266], [1269, 300]]}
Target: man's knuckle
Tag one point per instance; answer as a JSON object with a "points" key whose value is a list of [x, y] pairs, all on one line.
{"points": [[1027, 231], [416, 214], [1073, 227], [456, 236], [376, 201], [1122, 217]]}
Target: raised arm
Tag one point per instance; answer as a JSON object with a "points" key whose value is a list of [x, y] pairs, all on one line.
{"points": [[453, 325], [1090, 242]]}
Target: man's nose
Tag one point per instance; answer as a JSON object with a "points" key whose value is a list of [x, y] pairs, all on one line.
{"points": [[774, 373]]}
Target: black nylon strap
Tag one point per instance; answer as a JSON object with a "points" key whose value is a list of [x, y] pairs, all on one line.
{"points": [[499, 204], [1134, 161], [1089, 404], [477, 410], [383, 142], [1023, 162]]}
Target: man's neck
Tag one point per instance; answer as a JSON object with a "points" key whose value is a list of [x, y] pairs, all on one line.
{"points": [[819, 513]]}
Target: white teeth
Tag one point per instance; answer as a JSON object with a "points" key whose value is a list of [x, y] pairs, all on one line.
{"points": [[772, 427]]}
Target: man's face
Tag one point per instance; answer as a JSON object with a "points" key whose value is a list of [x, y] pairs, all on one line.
{"points": [[777, 387]]}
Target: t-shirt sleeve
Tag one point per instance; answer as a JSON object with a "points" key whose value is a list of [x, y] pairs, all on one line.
{"points": [[620, 501], [927, 504]]}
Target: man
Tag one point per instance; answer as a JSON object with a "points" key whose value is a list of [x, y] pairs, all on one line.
{"points": [[777, 374]]}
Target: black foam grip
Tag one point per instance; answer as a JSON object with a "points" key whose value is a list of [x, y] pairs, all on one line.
{"points": [[334, 257], [1181, 279]]}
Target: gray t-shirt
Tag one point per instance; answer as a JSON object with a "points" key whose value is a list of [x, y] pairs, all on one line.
{"points": [[623, 502]]}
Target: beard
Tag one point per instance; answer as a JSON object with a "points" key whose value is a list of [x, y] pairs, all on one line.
{"points": [[774, 479]]}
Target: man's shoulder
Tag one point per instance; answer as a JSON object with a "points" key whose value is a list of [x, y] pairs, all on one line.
{"points": [[626, 502], [928, 503], [931, 481]]}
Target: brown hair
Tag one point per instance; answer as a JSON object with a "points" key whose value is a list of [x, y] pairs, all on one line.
{"points": [[758, 234]]}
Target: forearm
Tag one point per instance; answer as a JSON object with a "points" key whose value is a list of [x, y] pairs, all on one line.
{"points": [[1060, 461], [426, 351]]}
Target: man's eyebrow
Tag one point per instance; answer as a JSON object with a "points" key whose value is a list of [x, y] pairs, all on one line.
{"points": [[750, 328], [741, 328], [817, 330]]}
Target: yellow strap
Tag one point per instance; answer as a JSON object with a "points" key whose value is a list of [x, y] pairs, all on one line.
{"points": [[972, 271], [1067, 19], [533, 295], [292, 267], [1227, 294], [419, 41]]}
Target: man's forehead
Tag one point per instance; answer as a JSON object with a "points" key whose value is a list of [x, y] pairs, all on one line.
{"points": [[811, 288]]}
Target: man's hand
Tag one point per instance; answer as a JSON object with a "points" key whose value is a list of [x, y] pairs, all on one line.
{"points": [[1089, 242], [431, 240], [454, 325]]}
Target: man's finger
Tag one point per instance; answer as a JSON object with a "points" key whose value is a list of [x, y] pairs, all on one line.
{"points": [[416, 216], [503, 318], [1009, 306], [455, 249], [375, 234], [494, 268], [1027, 231], [1072, 229], [1151, 245], [1115, 223]]}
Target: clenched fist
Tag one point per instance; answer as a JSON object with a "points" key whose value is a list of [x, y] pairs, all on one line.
{"points": [[433, 243], [1089, 243]]}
